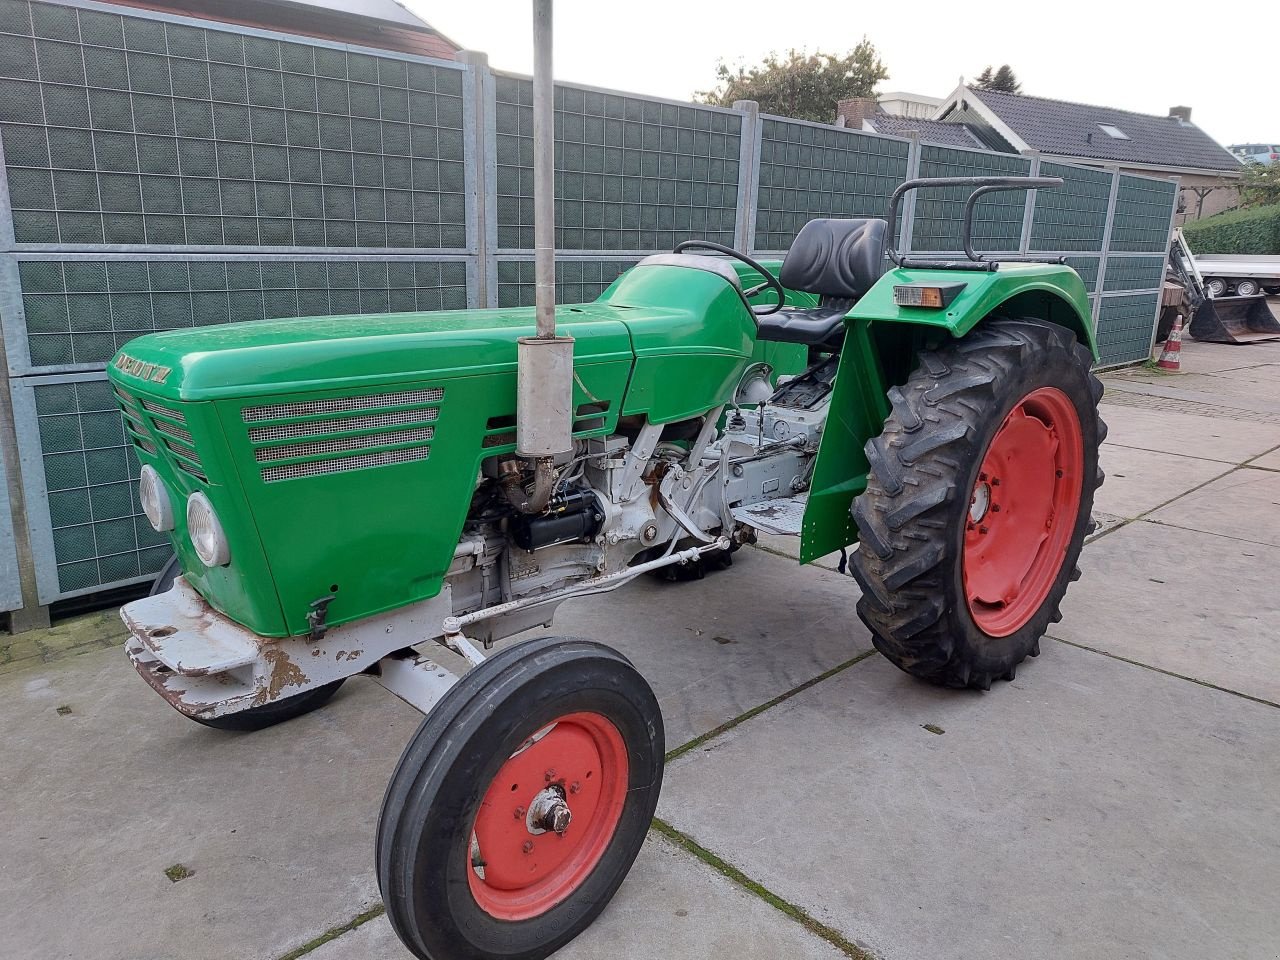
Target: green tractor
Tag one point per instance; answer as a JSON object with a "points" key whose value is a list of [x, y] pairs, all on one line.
{"points": [[345, 493]]}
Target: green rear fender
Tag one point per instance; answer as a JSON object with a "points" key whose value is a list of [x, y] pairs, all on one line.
{"points": [[879, 351]]}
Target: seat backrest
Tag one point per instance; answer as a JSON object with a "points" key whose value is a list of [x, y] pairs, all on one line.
{"points": [[841, 259]]}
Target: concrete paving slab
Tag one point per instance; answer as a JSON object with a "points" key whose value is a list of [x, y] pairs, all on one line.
{"points": [[1225, 383], [790, 547], [671, 905], [277, 825], [1106, 522], [1269, 461], [1243, 504], [1089, 809], [1140, 480], [715, 648], [1195, 604], [1210, 438]]}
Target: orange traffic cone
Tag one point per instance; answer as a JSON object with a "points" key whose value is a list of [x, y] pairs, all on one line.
{"points": [[1171, 355]]}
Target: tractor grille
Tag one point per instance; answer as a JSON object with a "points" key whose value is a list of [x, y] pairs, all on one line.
{"points": [[319, 437], [163, 423]]}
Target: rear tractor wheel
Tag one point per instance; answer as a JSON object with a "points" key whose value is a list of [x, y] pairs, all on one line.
{"points": [[521, 803], [978, 500]]}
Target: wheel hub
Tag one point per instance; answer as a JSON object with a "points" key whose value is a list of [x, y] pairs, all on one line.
{"points": [[549, 812], [1022, 509]]}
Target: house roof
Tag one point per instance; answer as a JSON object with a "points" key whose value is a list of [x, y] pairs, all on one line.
{"points": [[1073, 130], [931, 131]]}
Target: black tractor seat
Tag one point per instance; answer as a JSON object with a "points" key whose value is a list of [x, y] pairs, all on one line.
{"points": [[839, 260]]}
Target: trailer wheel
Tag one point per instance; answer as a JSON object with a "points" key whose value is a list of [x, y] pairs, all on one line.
{"points": [[1215, 287], [978, 501], [521, 803], [1247, 288]]}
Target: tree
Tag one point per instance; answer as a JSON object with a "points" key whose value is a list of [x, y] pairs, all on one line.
{"points": [[1003, 80], [1260, 184], [800, 85]]}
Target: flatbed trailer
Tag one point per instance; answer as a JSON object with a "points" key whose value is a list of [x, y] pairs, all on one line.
{"points": [[1236, 275]]}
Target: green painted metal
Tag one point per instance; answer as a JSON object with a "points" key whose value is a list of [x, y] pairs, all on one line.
{"points": [[665, 341], [1051, 291], [315, 503], [879, 351]]}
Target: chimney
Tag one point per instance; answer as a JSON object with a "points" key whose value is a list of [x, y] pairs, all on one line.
{"points": [[851, 113], [1180, 113]]}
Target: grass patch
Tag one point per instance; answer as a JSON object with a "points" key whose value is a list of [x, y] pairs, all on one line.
{"points": [[333, 933], [177, 872], [813, 925]]}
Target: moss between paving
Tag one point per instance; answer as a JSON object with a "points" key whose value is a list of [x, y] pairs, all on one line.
{"points": [[66, 638]]}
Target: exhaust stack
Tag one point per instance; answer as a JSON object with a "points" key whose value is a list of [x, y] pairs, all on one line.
{"points": [[544, 381]]}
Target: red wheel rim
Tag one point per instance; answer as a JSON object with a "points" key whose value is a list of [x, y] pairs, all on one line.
{"points": [[1022, 511], [519, 868]]}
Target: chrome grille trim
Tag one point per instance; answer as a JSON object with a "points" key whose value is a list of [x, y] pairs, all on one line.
{"points": [[320, 448], [311, 428], [304, 408], [361, 461]]}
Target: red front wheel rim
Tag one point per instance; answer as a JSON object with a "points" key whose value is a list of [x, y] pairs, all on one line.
{"points": [[1022, 511], [519, 866]]}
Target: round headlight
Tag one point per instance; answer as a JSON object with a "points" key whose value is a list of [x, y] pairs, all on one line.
{"points": [[154, 497], [206, 533]]}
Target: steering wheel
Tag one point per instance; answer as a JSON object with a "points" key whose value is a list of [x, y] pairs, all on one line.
{"points": [[770, 281]]}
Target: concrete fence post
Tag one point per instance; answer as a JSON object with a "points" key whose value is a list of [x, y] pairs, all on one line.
{"points": [[744, 233], [480, 110]]}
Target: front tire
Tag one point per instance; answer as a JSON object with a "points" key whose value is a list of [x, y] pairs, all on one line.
{"points": [[270, 714], [978, 500], [472, 862]]}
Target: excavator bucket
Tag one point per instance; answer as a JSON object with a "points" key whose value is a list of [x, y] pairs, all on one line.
{"points": [[1234, 320]]}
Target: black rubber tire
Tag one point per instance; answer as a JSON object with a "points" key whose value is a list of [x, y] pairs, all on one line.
{"points": [[911, 519], [164, 579], [269, 714], [1247, 288], [433, 796]]}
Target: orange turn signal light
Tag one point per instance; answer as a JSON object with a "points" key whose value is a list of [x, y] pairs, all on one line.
{"points": [[931, 296]]}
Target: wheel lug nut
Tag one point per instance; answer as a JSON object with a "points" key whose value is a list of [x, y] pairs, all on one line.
{"points": [[982, 529], [995, 481], [982, 476], [550, 775], [995, 508], [575, 787], [528, 846], [519, 812]]}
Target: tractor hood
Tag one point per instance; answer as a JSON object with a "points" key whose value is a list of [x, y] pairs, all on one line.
{"points": [[286, 356]]}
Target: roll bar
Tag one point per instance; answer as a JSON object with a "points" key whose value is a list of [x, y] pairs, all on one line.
{"points": [[981, 187]]}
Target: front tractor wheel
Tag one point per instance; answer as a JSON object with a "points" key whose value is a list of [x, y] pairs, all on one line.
{"points": [[978, 500], [521, 803]]}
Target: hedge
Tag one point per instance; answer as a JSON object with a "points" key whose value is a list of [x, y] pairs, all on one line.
{"points": [[1255, 230]]}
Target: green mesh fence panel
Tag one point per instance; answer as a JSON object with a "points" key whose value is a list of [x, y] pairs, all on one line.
{"points": [[808, 171], [1124, 327], [100, 536], [1073, 216], [10, 587], [82, 311], [1087, 267], [1144, 210], [631, 173], [120, 129], [1133, 273], [997, 218], [577, 281]]}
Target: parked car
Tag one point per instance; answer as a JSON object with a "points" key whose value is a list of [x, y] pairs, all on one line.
{"points": [[1256, 152]]}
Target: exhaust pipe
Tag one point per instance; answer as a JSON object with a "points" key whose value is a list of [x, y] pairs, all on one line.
{"points": [[544, 380]]}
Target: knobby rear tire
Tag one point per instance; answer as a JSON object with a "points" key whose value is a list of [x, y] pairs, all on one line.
{"points": [[923, 468]]}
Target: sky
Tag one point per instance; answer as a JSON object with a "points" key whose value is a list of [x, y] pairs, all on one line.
{"points": [[1130, 55]]}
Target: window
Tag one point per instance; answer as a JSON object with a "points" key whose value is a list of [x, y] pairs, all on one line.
{"points": [[1115, 133]]}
